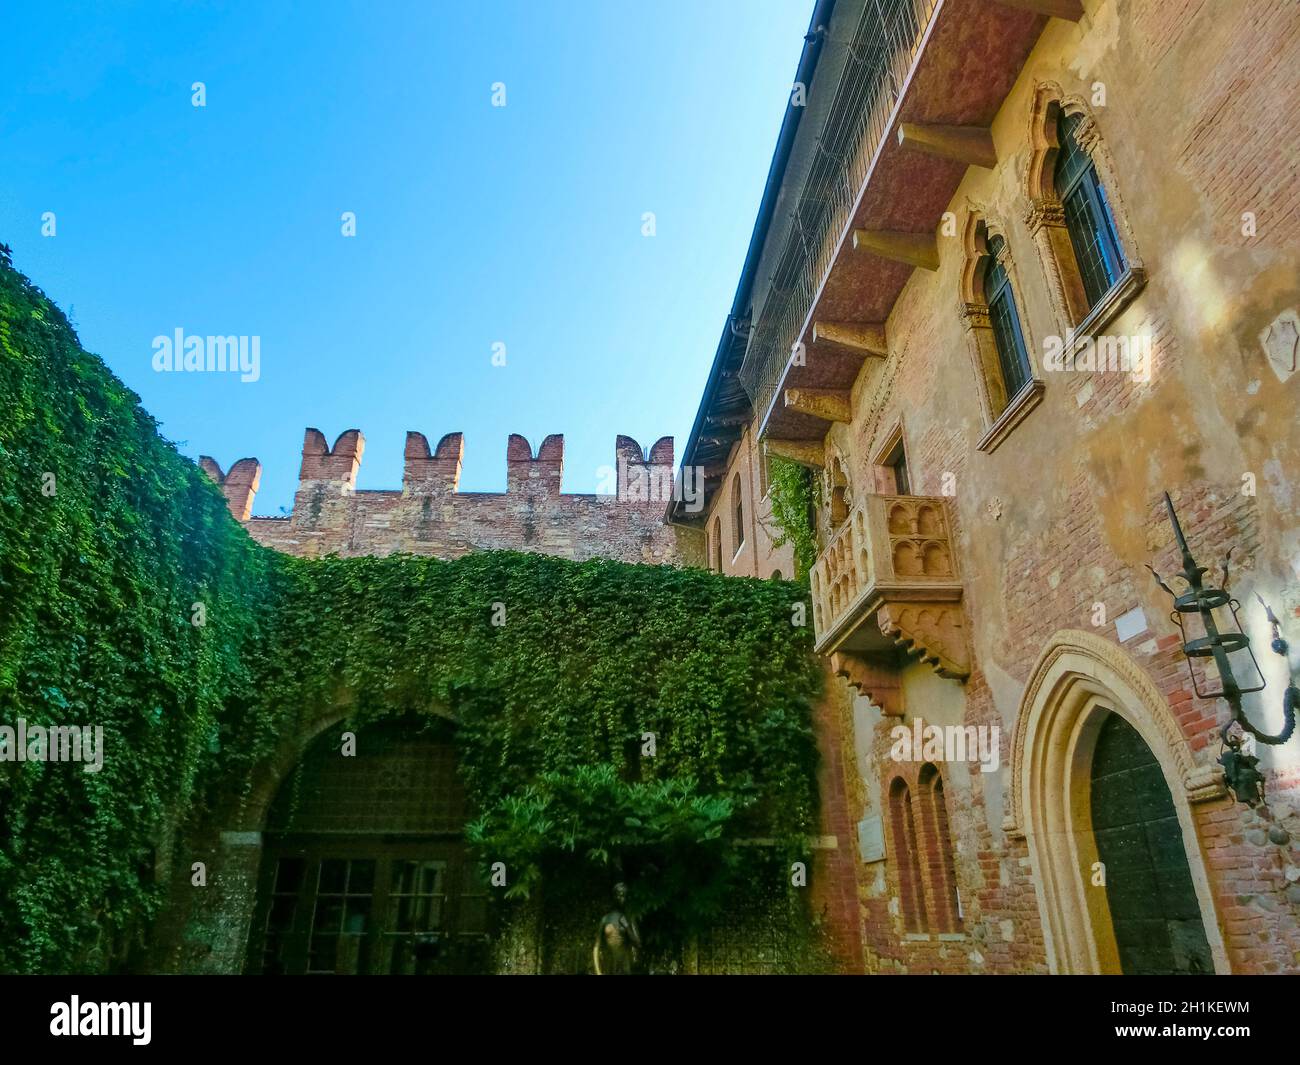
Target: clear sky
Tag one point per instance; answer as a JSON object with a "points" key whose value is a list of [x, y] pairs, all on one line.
{"points": [[475, 224]]}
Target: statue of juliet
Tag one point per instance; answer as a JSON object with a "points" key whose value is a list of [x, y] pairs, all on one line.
{"points": [[618, 943]]}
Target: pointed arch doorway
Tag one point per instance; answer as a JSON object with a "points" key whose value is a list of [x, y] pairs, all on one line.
{"points": [[1103, 784]]}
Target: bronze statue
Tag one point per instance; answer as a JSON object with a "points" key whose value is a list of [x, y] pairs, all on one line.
{"points": [[618, 943]]}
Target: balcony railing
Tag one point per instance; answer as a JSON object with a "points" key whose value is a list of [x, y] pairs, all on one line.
{"points": [[889, 576], [884, 46]]}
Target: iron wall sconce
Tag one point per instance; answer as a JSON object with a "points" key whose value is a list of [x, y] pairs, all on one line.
{"points": [[1206, 617]]}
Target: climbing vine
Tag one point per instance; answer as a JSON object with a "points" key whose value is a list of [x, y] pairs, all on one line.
{"points": [[108, 540], [609, 715], [795, 496]]}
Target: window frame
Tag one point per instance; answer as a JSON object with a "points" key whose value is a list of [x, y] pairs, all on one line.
{"points": [[1084, 194], [1000, 300]]}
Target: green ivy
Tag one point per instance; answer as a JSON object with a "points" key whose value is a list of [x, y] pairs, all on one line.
{"points": [[795, 497], [555, 671], [108, 537]]}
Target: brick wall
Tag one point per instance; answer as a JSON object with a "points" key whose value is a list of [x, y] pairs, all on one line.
{"points": [[1054, 528], [430, 516], [1067, 512]]}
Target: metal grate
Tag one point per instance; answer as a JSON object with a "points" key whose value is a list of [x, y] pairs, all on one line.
{"points": [[397, 782], [881, 53]]}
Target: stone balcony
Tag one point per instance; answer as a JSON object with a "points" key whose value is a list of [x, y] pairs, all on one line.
{"points": [[887, 586]]}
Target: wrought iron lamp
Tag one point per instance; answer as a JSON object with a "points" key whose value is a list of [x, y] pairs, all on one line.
{"points": [[1207, 618]]}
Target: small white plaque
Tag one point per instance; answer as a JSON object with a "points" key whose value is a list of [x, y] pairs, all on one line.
{"points": [[871, 839], [1134, 623]]}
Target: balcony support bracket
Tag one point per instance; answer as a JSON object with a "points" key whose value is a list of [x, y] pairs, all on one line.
{"points": [[865, 337], [935, 632], [914, 249], [878, 683], [810, 453], [972, 145], [828, 404]]}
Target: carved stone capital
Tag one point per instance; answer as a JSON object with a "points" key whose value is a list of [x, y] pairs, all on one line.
{"points": [[1044, 212], [975, 315], [1086, 134]]}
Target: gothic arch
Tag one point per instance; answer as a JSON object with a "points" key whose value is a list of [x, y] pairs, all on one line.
{"points": [[838, 489], [1001, 410], [1078, 680], [974, 241], [1045, 216]]}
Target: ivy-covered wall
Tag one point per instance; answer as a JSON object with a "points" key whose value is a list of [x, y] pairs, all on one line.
{"points": [[609, 714], [108, 540]]}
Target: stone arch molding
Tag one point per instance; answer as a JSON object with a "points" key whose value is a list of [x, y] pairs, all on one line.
{"points": [[1076, 662], [978, 227], [1039, 185], [1079, 679]]}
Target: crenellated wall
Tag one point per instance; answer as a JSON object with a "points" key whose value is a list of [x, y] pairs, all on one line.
{"points": [[429, 515]]}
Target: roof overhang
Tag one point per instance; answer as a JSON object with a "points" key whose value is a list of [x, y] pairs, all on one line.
{"points": [[971, 55]]}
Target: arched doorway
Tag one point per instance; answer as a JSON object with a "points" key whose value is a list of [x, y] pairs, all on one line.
{"points": [[1103, 785], [364, 869], [1153, 909]]}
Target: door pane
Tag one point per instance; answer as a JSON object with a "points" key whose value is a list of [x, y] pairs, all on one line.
{"points": [[341, 920], [1153, 904]]}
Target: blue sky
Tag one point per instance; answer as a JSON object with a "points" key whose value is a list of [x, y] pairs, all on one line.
{"points": [[474, 224]]}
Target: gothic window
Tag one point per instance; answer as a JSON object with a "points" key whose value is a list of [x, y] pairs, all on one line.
{"points": [[717, 544], [1013, 359], [945, 904], [996, 337], [910, 884], [1075, 216], [896, 464], [1088, 217]]}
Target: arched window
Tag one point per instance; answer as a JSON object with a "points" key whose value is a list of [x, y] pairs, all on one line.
{"points": [[1088, 217], [1004, 320], [945, 902], [738, 510], [903, 823], [995, 334], [1076, 216], [840, 493], [717, 545]]}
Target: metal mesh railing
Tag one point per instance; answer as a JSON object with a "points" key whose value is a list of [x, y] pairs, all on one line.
{"points": [[881, 54]]}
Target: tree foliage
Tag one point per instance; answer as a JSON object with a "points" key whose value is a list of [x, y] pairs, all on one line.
{"points": [[794, 493]]}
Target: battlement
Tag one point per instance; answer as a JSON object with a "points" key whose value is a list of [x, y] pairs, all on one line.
{"points": [[239, 485], [430, 515]]}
